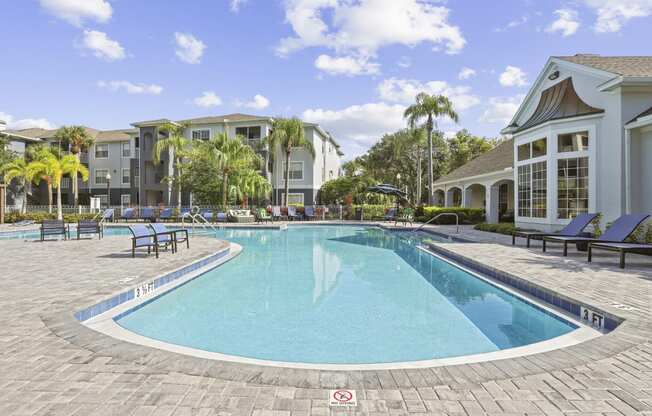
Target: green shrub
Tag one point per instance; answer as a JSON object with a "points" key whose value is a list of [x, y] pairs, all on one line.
{"points": [[38, 217], [502, 228], [648, 234], [466, 215]]}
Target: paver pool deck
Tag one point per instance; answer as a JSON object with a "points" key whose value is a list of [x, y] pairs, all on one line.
{"points": [[52, 365]]}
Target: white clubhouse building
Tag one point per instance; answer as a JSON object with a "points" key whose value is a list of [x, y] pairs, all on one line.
{"points": [[580, 142]]}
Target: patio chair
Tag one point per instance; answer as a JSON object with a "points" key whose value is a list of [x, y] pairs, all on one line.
{"points": [[622, 249], [574, 229], [390, 215], [293, 214], [147, 214], [179, 235], [23, 223], [622, 228], [309, 213], [262, 216], [108, 215], [183, 213], [128, 214], [277, 214], [222, 217], [89, 227], [207, 214], [406, 216], [53, 228], [166, 214], [143, 236]]}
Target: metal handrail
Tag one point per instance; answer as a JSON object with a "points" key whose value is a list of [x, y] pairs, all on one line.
{"points": [[197, 218], [443, 214]]}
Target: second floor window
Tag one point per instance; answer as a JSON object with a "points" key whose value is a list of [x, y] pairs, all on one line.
{"points": [[126, 149], [296, 171], [203, 134], [101, 151], [249, 133], [100, 176]]}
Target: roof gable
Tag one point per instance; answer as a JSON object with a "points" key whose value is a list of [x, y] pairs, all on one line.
{"points": [[626, 66]]}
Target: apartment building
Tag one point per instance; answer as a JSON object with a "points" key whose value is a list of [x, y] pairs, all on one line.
{"points": [[307, 174]]}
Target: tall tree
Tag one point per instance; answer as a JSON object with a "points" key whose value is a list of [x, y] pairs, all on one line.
{"points": [[229, 156], [430, 107], [18, 169], [71, 165], [464, 147], [178, 145], [288, 135], [78, 139]]}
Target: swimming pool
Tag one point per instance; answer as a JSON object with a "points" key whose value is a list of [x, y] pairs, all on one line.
{"points": [[340, 295]]}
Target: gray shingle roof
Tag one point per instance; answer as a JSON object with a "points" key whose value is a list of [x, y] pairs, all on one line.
{"points": [[115, 135], [232, 118], [645, 113], [497, 159], [627, 66]]}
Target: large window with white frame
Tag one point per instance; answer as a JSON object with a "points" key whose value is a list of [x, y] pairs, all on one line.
{"points": [[249, 133], [201, 134], [125, 176], [100, 176], [101, 151], [296, 171], [126, 150], [573, 142], [572, 187], [532, 191], [295, 199]]}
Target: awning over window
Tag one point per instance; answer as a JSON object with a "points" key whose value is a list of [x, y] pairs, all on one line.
{"points": [[559, 102]]}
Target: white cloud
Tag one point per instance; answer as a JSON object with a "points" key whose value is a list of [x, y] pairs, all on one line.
{"points": [[131, 88], [102, 46], [514, 23], [189, 49], [513, 77], [404, 62], [236, 4], [25, 123], [365, 26], [359, 126], [502, 109], [259, 102], [567, 22], [208, 99], [466, 73], [404, 91], [77, 11], [613, 14], [346, 65]]}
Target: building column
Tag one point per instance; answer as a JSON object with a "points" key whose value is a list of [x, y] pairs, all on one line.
{"points": [[492, 196], [447, 198], [467, 197]]}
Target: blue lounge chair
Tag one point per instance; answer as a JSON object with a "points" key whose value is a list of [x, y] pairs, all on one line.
{"points": [[207, 214], [277, 214], [184, 213], [309, 213], [622, 228], [143, 236], [108, 215], [390, 215], [128, 214], [147, 214], [575, 228], [222, 217], [179, 235], [166, 214], [622, 249], [293, 214]]}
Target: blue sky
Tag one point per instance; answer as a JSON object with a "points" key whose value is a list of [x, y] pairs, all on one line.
{"points": [[350, 65]]}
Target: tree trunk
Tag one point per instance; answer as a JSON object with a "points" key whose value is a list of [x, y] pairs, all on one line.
{"points": [[225, 187], [287, 177], [49, 197], [74, 179], [24, 207], [59, 207], [419, 182], [429, 126], [178, 185]]}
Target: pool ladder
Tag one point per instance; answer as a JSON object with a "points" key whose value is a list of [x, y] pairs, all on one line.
{"points": [[197, 219], [443, 214]]}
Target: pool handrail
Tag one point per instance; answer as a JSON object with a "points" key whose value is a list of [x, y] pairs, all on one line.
{"points": [[457, 221]]}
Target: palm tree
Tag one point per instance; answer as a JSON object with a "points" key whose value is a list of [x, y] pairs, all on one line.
{"points": [[47, 166], [230, 156], [287, 135], [72, 166], [430, 107], [178, 144], [18, 169], [249, 182], [78, 139]]}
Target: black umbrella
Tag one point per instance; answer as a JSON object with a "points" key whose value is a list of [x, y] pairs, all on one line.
{"points": [[386, 189]]}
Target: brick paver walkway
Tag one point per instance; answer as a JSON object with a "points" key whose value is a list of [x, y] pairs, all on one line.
{"points": [[51, 365]]}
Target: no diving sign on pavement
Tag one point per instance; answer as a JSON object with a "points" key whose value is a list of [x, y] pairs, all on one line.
{"points": [[342, 398]]}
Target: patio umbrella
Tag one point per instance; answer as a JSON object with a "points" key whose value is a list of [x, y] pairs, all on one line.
{"points": [[386, 189]]}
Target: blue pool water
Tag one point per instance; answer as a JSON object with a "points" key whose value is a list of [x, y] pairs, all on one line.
{"points": [[341, 295]]}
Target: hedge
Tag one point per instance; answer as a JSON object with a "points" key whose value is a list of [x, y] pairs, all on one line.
{"points": [[38, 217], [466, 215], [502, 228]]}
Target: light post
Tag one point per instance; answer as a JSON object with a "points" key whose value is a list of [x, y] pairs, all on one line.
{"points": [[108, 190]]}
